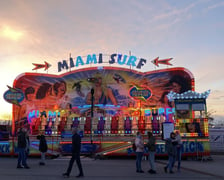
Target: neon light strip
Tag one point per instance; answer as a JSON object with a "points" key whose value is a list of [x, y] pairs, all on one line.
{"points": [[4, 142], [116, 150], [97, 142]]}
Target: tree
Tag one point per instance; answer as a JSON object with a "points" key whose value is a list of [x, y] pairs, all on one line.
{"points": [[209, 116]]}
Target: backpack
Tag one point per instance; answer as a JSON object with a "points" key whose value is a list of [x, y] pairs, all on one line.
{"points": [[134, 146]]}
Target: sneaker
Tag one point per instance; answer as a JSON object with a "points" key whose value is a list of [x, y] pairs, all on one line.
{"points": [[26, 167], [171, 172], [66, 175], [165, 169], [140, 171], [19, 167], [80, 175], [41, 163], [153, 172]]}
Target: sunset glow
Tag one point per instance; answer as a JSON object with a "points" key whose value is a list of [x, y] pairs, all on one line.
{"points": [[11, 34]]}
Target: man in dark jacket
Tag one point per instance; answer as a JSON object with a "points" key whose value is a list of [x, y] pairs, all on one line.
{"points": [[21, 145], [42, 147], [76, 146]]}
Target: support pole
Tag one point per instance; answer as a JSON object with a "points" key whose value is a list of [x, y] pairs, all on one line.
{"points": [[91, 135]]}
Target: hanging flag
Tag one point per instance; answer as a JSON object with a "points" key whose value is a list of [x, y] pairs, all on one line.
{"points": [[156, 61], [39, 66]]}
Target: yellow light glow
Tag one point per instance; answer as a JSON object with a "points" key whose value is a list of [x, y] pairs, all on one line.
{"points": [[9, 33]]}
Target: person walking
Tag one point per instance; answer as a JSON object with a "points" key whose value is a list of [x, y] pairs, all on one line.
{"points": [[76, 146], [27, 148], [151, 145], [42, 147], [139, 152], [171, 151], [178, 149], [21, 145]]}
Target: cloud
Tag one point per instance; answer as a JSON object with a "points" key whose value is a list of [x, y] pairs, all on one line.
{"points": [[208, 70], [217, 97], [214, 6], [166, 26], [215, 102], [174, 13], [86, 24]]}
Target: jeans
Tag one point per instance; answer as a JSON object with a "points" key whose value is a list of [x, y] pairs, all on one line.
{"points": [[21, 157], [42, 160], [27, 151], [179, 156], [171, 161], [75, 156], [152, 160], [139, 161]]}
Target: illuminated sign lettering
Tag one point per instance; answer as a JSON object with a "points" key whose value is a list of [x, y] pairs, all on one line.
{"points": [[120, 59], [4, 148]]}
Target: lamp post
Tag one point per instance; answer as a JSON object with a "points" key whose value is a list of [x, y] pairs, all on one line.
{"points": [[91, 136]]}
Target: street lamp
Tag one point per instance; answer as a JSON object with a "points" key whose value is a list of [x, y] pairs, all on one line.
{"points": [[91, 136]]}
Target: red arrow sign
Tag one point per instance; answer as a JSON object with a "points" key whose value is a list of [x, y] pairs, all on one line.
{"points": [[156, 61], [39, 66]]}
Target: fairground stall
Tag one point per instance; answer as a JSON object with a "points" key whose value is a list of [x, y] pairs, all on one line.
{"points": [[192, 122], [109, 105]]}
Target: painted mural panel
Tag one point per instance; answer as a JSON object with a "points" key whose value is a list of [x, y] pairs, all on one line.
{"points": [[118, 92]]}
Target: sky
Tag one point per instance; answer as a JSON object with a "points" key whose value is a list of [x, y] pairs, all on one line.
{"points": [[191, 32]]}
